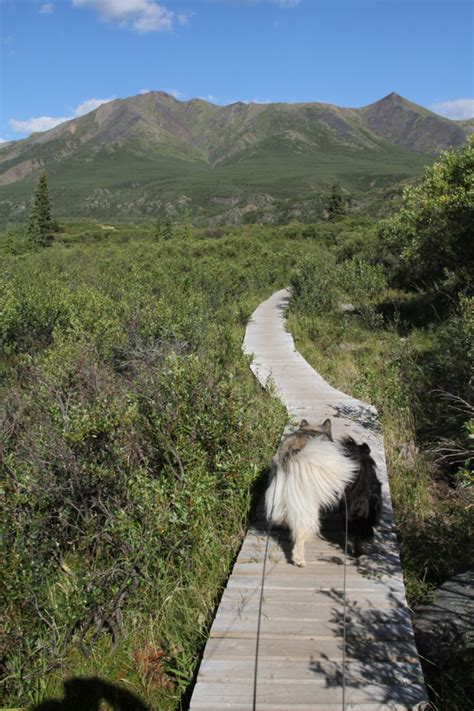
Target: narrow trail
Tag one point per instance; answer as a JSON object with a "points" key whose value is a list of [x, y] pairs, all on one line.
{"points": [[298, 617]]}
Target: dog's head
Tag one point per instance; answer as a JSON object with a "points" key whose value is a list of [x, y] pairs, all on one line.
{"points": [[322, 431], [295, 441]]}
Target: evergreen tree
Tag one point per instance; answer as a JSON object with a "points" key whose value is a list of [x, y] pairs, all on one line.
{"points": [[336, 205], [40, 223], [167, 231], [14, 239]]}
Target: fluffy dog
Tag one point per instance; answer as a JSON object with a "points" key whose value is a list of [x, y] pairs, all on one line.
{"points": [[313, 473]]}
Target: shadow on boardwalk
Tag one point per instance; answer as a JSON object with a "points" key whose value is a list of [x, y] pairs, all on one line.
{"points": [[382, 660], [379, 661]]}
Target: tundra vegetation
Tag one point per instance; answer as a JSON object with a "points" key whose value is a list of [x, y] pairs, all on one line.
{"points": [[134, 435], [408, 348]]}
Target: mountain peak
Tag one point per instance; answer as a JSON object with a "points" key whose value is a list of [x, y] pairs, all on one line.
{"points": [[392, 99], [393, 96]]}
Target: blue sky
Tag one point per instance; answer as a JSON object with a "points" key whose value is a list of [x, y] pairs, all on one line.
{"points": [[61, 58]]}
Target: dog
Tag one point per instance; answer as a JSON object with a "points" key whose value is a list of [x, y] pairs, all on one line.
{"points": [[363, 495], [312, 473]]}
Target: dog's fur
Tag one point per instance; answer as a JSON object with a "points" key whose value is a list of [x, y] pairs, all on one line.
{"points": [[313, 473]]}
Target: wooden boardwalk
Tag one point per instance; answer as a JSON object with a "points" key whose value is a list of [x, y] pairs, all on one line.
{"points": [[300, 610]]}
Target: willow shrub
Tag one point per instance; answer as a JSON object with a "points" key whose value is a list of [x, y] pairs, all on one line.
{"points": [[320, 286], [428, 242], [132, 435]]}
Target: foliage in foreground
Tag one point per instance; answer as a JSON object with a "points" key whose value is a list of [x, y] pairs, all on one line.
{"points": [[132, 435], [132, 432], [410, 353], [392, 366]]}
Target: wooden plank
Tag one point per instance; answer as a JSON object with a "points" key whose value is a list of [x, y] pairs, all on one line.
{"points": [[370, 626], [316, 598], [280, 610], [305, 692], [314, 631], [236, 705], [251, 560], [314, 569], [213, 670], [307, 651], [333, 580]]}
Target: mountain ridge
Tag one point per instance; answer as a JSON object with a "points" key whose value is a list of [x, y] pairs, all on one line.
{"points": [[194, 150]]}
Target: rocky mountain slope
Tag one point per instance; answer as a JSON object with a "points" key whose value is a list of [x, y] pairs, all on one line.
{"points": [[151, 153]]}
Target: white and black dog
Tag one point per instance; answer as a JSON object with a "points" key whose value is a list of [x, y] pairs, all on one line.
{"points": [[313, 473]]}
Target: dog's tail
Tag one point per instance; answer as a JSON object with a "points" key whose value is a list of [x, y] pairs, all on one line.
{"points": [[364, 493]]}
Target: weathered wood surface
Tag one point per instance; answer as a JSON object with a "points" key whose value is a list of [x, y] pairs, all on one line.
{"points": [[301, 609]]}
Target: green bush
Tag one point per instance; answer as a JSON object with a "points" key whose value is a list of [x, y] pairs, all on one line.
{"points": [[320, 286], [314, 284], [429, 241]]}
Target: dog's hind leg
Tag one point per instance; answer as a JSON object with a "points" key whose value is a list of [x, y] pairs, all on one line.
{"points": [[357, 545], [299, 536]]}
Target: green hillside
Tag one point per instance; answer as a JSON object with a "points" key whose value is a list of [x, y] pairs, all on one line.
{"points": [[151, 154]]}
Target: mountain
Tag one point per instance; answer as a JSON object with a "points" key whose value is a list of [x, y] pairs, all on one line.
{"points": [[151, 153], [413, 127]]}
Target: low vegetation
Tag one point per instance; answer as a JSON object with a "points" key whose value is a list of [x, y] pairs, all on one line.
{"points": [[133, 433], [407, 347]]}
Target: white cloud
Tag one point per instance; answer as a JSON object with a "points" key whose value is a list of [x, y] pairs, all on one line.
{"points": [[89, 105], [144, 91], [142, 16], [37, 123], [456, 109], [174, 92], [249, 101], [45, 123], [184, 17], [210, 97], [46, 9]]}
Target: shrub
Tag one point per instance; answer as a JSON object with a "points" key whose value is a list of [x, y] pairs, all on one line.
{"points": [[314, 284], [429, 241], [320, 285], [363, 283]]}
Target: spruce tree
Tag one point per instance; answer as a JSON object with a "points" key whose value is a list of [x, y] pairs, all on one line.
{"points": [[336, 205], [40, 223], [167, 231]]}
